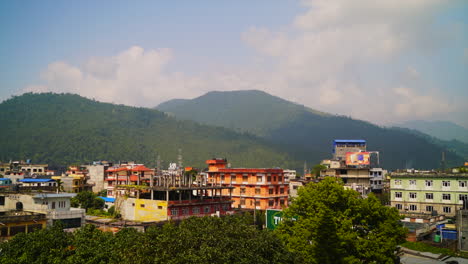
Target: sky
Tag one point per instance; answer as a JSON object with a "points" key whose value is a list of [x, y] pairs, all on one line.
{"points": [[382, 61]]}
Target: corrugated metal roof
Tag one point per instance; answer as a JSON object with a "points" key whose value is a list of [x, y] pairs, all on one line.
{"points": [[107, 199], [349, 141], [55, 195], [37, 180], [4, 179]]}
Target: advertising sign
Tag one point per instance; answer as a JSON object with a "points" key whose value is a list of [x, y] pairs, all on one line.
{"points": [[357, 158], [273, 218]]}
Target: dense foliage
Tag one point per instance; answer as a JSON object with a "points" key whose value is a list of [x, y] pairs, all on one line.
{"points": [[305, 133], [63, 129], [229, 239], [334, 225]]}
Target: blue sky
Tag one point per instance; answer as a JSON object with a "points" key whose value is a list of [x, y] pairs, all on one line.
{"points": [[399, 60]]}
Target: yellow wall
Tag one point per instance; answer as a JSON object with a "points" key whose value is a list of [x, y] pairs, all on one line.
{"points": [[150, 211]]}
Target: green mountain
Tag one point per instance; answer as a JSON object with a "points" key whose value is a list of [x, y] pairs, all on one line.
{"points": [[304, 133], [444, 130], [65, 128]]}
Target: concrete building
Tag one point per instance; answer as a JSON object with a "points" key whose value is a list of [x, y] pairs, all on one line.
{"points": [[343, 146], [118, 179], [74, 180], [96, 174], [289, 175], [377, 179], [15, 222], [429, 193], [253, 188], [22, 168], [56, 206]]}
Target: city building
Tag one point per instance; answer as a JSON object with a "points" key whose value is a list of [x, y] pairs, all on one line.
{"points": [[352, 163], [289, 175], [23, 168], [74, 180], [15, 222], [118, 180], [377, 179], [430, 193], [252, 188], [96, 174], [55, 206]]}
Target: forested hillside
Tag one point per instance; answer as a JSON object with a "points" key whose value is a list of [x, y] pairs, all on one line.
{"points": [[305, 133], [66, 128]]}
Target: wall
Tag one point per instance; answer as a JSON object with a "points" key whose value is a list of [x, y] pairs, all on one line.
{"points": [[143, 210]]}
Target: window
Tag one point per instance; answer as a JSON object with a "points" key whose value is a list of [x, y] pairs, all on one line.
{"points": [[446, 183], [269, 179], [413, 207], [412, 195], [2, 200], [259, 178], [295, 187], [196, 210], [216, 208], [397, 182], [222, 177], [398, 206], [142, 205], [281, 201], [463, 197], [160, 207], [257, 190], [280, 178], [257, 203], [446, 196], [398, 195], [429, 196], [447, 209], [242, 201], [281, 190], [185, 211], [225, 207], [271, 203], [429, 183], [270, 191], [242, 190], [412, 182], [175, 211], [245, 178], [53, 205], [207, 209], [429, 208], [274, 178], [462, 184], [233, 178]]}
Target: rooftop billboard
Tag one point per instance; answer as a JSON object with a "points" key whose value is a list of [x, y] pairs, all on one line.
{"points": [[357, 158]]}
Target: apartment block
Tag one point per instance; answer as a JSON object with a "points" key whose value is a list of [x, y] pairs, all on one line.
{"points": [[429, 193], [253, 188]]}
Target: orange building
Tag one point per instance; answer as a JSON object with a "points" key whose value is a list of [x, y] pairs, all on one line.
{"points": [[253, 188], [115, 177]]}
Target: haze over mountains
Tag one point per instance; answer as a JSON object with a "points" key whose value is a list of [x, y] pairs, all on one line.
{"points": [[305, 133], [445, 130]]}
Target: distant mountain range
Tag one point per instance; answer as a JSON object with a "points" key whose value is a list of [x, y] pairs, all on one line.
{"points": [[64, 129], [249, 128], [307, 134], [444, 130]]}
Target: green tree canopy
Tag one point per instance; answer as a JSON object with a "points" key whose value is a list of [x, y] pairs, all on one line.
{"points": [[335, 225], [87, 200]]}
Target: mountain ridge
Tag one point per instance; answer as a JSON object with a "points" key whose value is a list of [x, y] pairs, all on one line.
{"points": [[304, 133]]}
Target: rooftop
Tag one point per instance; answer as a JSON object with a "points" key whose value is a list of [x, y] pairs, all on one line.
{"points": [[27, 180]]}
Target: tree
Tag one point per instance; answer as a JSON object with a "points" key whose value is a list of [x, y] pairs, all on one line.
{"points": [[335, 225], [87, 200], [317, 169]]}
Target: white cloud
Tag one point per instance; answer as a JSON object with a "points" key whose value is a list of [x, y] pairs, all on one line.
{"points": [[133, 77], [339, 56]]}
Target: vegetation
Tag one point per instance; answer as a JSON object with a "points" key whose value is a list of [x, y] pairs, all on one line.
{"points": [[230, 239], [307, 134], [87, 200], [62, 129], [423, 247], [335, 225]]}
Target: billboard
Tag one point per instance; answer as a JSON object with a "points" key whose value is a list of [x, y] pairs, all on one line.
{"points": [[274, 217], [357, 158]]}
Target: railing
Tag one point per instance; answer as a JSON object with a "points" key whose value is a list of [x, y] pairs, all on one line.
{"points": [[199, 201]]}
